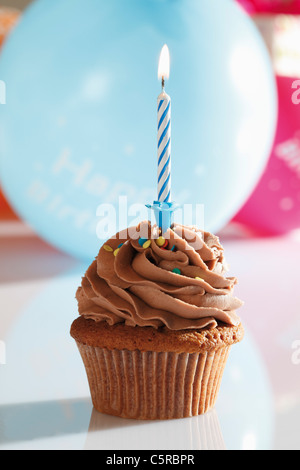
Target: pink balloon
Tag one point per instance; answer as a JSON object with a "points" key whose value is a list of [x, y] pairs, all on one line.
{"points": [[289, 7], [274, 206]]}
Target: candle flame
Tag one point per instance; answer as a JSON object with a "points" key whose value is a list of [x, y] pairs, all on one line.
{"points": [[164, 63]]}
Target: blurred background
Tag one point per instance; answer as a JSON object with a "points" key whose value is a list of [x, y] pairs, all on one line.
{"points": [[236, 123], [78, 90], [10, 12]]}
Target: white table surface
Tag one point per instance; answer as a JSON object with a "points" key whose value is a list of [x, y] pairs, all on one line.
{"points": [[44, 395]]}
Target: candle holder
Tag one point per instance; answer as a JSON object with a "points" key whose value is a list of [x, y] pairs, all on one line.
{"points": [[163, 213]]}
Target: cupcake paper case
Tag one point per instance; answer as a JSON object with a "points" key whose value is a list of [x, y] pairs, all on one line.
{"points": [[157, 320]]}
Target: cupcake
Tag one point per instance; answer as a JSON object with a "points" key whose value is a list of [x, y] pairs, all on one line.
{"points": [[157, 318]]}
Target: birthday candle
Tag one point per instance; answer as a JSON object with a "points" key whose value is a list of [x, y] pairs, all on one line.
{"points": [[164, 131], [163, 208]]}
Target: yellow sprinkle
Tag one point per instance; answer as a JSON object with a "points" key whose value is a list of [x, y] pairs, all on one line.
{"points": [[147, 244], [107, 248], [199, 278], [160, 241], [116, 251]]}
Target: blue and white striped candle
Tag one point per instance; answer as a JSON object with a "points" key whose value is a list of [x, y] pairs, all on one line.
{"points": [[164, 131], [163, 208]]}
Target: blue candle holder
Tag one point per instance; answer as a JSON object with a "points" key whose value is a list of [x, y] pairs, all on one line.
{"points": [[163, 213]]}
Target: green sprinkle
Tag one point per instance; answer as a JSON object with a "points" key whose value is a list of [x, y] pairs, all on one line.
{"points": [[176, 271]]}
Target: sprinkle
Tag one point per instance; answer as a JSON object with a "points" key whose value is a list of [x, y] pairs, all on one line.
{"points": [[166, 244], [160, 241], [142, 241], [147, 244], [121, 244], [116, 251], [199, 278], [108, 248], [176, 271], [173, 248]]}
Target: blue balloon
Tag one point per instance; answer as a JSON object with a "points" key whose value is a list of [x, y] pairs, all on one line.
{"points": [[78, 129]]}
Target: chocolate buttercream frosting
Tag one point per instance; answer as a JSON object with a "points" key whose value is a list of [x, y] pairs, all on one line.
{"points": [[180, 285]]}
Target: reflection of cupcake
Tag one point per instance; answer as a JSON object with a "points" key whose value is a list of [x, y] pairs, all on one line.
{"points": [[157, 320], [197, 434]]}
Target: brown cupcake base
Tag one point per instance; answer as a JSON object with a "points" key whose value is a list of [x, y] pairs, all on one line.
{"points": [[120, 336], [153, 384]]}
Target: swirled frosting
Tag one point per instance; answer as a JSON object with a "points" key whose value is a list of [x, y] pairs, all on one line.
{"points": [[183, 286]]}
